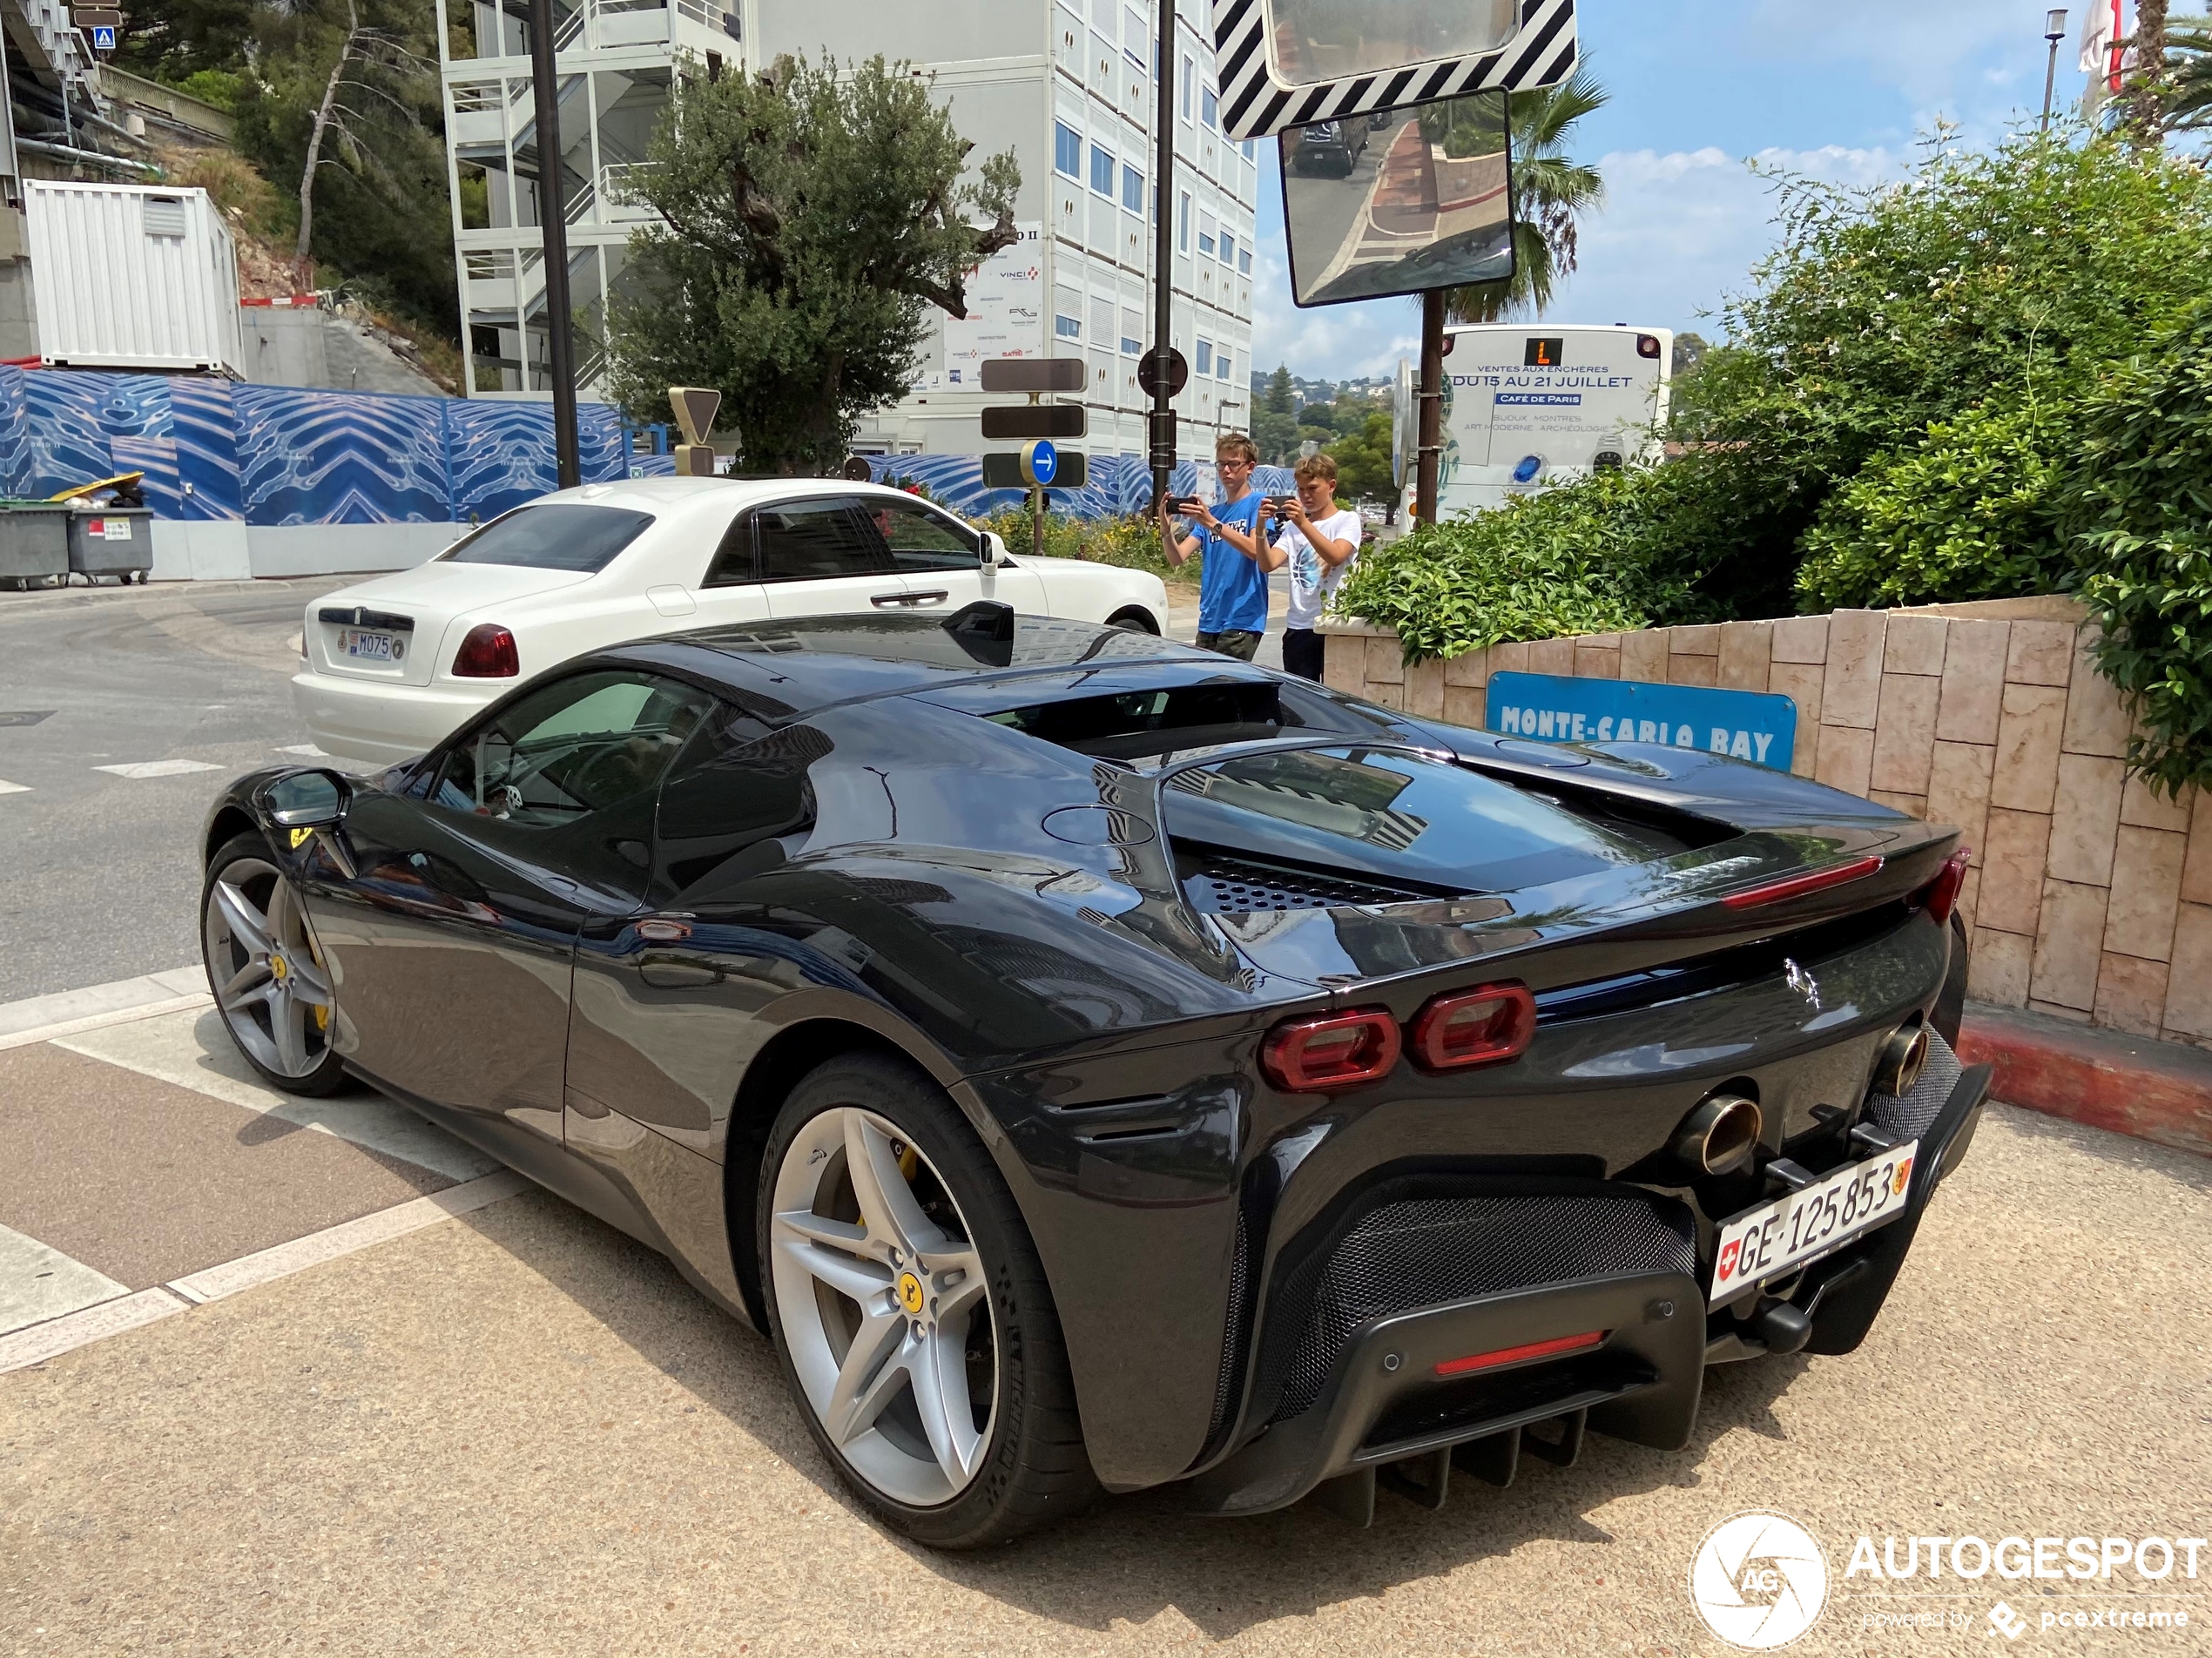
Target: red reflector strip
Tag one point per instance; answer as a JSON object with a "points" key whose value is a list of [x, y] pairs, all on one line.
{"points": [[1798, 885], [1515, 1355]]}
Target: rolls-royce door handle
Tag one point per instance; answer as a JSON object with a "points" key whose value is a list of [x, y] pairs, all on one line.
{"points": [[885, 601], [935, 596]]}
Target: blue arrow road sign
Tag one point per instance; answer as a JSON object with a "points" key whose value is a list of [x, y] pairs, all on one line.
{"points": [[103, 37], [1043, 461]]}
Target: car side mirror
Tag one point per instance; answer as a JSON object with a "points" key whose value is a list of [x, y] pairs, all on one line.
{"points": [[311, 805], [993, 548], [308, 799]]}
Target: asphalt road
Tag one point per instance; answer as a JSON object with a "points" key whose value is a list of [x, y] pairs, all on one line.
{"points": [[98, 873]]}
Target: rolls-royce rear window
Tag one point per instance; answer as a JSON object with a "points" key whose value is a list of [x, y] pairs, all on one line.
{"points": [[563, 535]]}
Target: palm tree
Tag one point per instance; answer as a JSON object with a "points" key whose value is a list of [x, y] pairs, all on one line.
{"points": [[2188, 75], [1551, 192]]}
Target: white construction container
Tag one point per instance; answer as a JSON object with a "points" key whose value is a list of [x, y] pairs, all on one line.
{"points": [[133, 276]]}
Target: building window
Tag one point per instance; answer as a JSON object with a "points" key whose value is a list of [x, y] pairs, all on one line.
{"points": [[1182, 223], [1102, 172], [1251, 154], [1212, 108], [1243, 261], [1228, 249], [1132, 189], [1189, 78], [1067, 312], [1205, 244], [1067, 328], [1067, 150], [1133, 33], [1205, 357], [1132, 346], [1221, 368]]}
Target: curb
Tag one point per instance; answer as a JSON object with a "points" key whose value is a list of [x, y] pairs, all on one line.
{"points": [[2132, 1085]]}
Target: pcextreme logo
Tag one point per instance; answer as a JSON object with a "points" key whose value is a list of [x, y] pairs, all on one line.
{"points": [[1759, 1580]]}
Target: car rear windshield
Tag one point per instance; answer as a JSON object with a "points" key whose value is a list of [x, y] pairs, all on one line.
{"points": [[557, 535], [1396, 815]]}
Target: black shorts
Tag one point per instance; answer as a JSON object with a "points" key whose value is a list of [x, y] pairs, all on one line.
{"points": [[1240, 642], [1302, 652]]}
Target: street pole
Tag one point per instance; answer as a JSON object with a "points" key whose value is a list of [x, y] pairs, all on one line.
{"points": [[1431, 399], [553, 217], [2053, 31], [1162, 421]]}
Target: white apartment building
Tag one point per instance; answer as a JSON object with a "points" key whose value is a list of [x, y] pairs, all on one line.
{"points": [[1067, 84]]}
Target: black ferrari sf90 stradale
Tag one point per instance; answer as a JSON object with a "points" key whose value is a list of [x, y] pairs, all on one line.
{"points": [[1097, 1064]]}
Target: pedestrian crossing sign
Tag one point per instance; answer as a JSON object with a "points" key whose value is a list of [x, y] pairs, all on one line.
{"points": [[104, 38]]}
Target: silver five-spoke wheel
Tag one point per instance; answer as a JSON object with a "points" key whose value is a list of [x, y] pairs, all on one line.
{"points": [[262, 964], [881, 1299]]}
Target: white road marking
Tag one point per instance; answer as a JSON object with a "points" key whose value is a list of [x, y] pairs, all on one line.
{"points": [[57, 1336], [250, 1271], [308, 749], [158, 768], [192, 1049], [37, 1282], [64, 1013], [7, 787]]}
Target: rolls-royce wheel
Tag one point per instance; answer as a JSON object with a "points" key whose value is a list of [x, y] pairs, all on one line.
{"points": [[265, 972], [910, 1312]]}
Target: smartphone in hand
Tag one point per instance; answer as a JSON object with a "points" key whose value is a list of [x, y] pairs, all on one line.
{"points": [[1182, 505]]}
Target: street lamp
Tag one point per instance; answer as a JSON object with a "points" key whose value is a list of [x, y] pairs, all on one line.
{"points": [[2053, 31]]}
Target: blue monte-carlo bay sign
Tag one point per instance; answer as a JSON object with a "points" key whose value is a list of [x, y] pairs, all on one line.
{"points": [[1749, 725]]}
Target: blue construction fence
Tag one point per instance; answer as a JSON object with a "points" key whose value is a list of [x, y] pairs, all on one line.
{"points": [[212, 449]]}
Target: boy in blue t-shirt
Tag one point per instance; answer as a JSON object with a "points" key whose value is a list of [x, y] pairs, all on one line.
{"points": [[1232, 586]]}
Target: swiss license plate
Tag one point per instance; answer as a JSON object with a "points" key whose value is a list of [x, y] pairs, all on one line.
{"points": [[1777, 1238], [364, 646]]}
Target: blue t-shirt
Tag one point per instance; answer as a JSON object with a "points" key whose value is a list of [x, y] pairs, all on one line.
{"points": [[1232, 590]]}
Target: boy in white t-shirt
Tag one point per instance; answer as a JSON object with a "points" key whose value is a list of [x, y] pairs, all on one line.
{"points": [[1319, 543]]}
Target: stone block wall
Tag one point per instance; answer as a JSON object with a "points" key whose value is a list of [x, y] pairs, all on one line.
{"points": [[2090, 897]]}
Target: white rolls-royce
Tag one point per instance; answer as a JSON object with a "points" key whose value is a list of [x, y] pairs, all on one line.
{"points": [[393, 665]]}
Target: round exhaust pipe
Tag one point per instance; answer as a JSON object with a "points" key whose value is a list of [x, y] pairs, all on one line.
{"points": [[1905, 1051], [1720, 1135]]}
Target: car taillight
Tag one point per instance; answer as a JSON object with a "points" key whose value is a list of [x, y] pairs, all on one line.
{"points": [[1334, 1051], [1484, 1027], [1940, 896], [1648, 345], [1798, 885], [488, 653]]}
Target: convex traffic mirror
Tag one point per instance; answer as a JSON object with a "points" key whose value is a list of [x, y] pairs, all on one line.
{"points": [[1399, 201]]}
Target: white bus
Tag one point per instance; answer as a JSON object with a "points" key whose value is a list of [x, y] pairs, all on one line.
{"points": [[1528, 405]]}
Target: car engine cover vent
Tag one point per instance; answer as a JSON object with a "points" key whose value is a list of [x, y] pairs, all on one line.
{"points": [[1230, 887]]}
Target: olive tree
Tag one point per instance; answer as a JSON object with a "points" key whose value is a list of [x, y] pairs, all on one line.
{"points": [[810, 219]]}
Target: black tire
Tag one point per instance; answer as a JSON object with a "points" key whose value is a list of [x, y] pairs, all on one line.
{"points": [[1134, 620], [1034, 1469], [328, 1075]]}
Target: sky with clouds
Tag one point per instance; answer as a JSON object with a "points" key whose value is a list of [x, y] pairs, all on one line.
{"points": [[1699, 89]]}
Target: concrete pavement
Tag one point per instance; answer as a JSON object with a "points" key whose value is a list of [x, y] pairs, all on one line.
{"points": [[519, 1430]]}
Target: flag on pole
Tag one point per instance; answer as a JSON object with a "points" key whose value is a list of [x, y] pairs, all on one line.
{"points": [[2104, 52]]}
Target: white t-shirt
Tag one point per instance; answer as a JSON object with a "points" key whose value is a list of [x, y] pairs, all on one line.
{"points": [[1312, 582]]}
